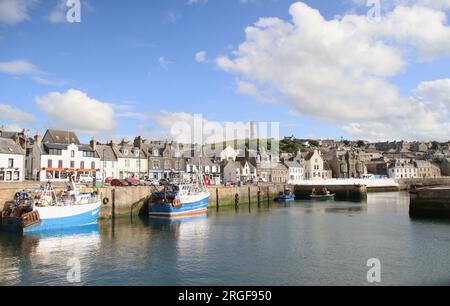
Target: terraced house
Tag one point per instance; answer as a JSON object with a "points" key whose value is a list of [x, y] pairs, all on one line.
{"points": [[58, 154], [11, 161]]}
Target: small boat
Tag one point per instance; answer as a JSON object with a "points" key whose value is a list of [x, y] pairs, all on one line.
{"points": [[323, 194], [41, 210], [287, 195], [180, 199]]}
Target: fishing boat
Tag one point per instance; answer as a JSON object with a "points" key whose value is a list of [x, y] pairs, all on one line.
{"points": [[179, 199], [286, 195], [41, 210], [323, 194]]}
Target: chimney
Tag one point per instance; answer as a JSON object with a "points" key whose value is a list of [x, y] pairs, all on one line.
{"points": [[138, 142], [37, 139], [93, 143]]}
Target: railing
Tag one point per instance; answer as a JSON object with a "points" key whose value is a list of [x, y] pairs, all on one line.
{"points": [[367, 182]]}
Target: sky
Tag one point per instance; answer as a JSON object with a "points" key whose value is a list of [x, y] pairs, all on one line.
{"points": [[321, 69]]}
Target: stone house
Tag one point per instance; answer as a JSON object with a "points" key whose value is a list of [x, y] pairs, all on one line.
{"points": [[347, 164], [280, 174]]}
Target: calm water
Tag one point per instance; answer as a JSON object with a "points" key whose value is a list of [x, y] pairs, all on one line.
{"points": [[303, 243]]}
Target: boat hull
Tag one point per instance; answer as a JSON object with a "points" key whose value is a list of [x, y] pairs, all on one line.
{"points": [[322, 197], [58, 217], [196, 206], [285, 198]]}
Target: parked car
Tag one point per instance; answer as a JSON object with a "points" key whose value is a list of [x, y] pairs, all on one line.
{"points": [[108, 180], [151, 182], [119, 183], [86, 179], [133, 181]]}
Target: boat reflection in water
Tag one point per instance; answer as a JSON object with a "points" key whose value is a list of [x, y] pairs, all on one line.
{"points": [[41, 258], [174, 224]]}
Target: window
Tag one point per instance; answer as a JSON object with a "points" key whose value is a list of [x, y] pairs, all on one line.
{"points": [[72, 164], [156, 164], [8, 175], [49, 163], [11, 163], [72, 153], [82, 165], [2, 175], [127, 163], [60, 164], [92, 165]]}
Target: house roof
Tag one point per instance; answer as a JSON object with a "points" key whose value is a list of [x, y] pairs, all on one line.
{"points": [[61, 137], [9, 146], [105, 152], [292, 164]]}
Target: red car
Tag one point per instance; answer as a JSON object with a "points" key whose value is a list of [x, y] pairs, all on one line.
{"points": [[108, 180], [119, 183], [133, 181]]}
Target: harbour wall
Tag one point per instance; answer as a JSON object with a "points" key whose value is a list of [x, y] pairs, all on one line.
{"points": [[132, 201], [430, 202], [407, 184], [342, 192]]}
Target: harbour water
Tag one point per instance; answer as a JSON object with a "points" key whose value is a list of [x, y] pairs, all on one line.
{"points": [[300, 243]]}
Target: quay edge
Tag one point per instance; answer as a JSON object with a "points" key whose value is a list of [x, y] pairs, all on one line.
{"points": [[432, 202]]}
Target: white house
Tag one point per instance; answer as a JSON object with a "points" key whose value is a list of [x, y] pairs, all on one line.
{"points": [[132, 162], [109, 165], [58, 154], [402, 169], [11, 161], [208, 168], [296, 171]]}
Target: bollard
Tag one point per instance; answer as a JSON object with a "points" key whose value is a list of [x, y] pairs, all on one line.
{"points": [[259, 198], [217, 199], [236, 201], [268, 196], [249, 197]]}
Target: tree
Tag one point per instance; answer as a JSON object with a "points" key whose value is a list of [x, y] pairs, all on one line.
{"points": [[361, 143]]}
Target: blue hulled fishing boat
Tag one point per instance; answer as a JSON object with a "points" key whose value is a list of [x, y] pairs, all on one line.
{"points": [[42, 210]]}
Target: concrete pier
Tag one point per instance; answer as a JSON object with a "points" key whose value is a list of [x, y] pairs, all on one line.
{"points": [[343, 192], [430, 202]]}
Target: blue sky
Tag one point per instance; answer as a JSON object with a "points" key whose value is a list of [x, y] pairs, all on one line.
{"points": [[139, 57]]}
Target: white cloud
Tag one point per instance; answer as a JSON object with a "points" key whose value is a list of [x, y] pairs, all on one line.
{"points": [[74, 110], [172, 17], [164, 62], [14, 11], [15, 115], [200, 57], [25, 68], [336, 70], [18, 67], [191, 2], [58, 14], [187, 128]]}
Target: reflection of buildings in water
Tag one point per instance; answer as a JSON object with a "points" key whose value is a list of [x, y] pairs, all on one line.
{"points": [[50, 249], [388, 201]]}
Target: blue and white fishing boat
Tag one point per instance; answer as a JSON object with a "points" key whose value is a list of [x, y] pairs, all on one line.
{"points": [[286, 195], [42, 210], [180, 198]]}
